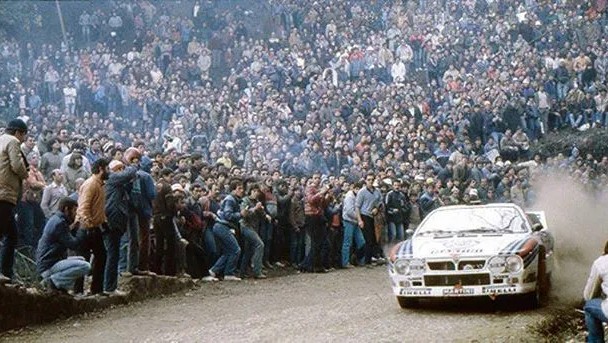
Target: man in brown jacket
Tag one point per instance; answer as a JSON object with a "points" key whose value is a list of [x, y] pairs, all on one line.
{"points": [[91, 217], [13, 169]]}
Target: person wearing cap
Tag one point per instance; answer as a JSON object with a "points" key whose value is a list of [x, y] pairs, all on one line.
{"points": [[163, 211], [58, 271], [13, 170], [91, 216], [118, 211], [52, 193]]}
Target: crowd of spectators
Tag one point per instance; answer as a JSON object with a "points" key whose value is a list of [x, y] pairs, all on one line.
{"points": [[243, 133]]}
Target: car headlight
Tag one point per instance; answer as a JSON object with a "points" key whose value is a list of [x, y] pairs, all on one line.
{"points": [[402, 267], [514, 264], [497, 265], [417, 267]]}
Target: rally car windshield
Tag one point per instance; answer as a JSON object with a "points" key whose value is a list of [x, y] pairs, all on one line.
{"points": [[474, 220]]}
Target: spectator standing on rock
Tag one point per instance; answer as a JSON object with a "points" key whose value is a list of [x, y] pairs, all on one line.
{"points": [[118, 211], [91, 216], [30, 218], [13, 170], [164, 211], [58, 271], [142, 195], [596, 306]]}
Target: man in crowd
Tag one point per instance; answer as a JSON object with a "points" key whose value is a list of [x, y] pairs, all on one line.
{"points": [[118, 187], [367, 205], [59, 272], [163, 213], [52, 193], [13, 170], [225, 229], [316, 201], [91, 216], [352, 231]]}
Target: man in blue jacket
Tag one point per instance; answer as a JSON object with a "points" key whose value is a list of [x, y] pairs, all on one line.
{"points": [[224, 230], [118, 188], [141, 197], [57, 270]]}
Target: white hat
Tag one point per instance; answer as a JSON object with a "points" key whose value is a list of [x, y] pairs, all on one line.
{"points": [[177, 187]]}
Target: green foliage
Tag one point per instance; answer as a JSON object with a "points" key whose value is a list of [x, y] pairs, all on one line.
{"points": [[593, 141], [19, 16]]}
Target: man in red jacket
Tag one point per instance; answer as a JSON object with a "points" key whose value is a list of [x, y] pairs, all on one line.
{"points": [[316, 201]]}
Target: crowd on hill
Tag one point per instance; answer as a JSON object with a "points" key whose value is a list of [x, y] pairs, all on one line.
{"points": [[285, 132]]}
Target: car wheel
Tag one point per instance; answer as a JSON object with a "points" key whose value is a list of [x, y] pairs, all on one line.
{"points": [[407, 302], [535, 299]]}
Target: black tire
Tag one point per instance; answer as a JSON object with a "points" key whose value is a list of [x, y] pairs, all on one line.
{"points": [[407, 302], [535, 299]]}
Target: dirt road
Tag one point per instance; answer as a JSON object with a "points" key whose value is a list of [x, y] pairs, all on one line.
{"points": [[353, 305]]}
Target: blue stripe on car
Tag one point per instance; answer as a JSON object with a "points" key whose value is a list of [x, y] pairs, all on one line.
{"points": [[531, 256]]}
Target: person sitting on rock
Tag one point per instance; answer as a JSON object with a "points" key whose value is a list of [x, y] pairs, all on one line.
{"points": [[59, 272]]}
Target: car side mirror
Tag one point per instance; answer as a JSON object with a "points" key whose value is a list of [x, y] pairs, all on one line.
{"points": [[537, 227]]}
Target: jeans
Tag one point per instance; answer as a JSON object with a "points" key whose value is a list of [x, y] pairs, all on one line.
{"points": [[253, 251], [64, 273], [124, 251], [111, 241], [133, 252], [395, 232], [230, 250], [210, 246], [9, 237], [352, 231], [296, 247], [266, 236], [562, 90], [594, 316]]}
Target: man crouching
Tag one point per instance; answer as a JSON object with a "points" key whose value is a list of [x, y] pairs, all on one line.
{"points": [[58, 271]]}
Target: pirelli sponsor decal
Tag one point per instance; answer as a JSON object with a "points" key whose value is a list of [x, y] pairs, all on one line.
{"points": [[499, 289], [415, 291]]}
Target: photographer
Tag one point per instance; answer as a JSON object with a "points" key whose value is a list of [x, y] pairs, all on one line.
{"points": [[596, 306]]}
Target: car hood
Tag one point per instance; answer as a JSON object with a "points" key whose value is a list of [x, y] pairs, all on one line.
{"points": [[467, 246]]}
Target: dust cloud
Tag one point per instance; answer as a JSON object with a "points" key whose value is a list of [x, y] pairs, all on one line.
{"points": [[578, 222]]}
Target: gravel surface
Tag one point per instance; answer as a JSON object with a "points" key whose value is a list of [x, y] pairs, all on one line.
{"points": [[353, 305]]}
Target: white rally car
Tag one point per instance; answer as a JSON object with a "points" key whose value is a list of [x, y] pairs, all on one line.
{"points": [[477, 250]]}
